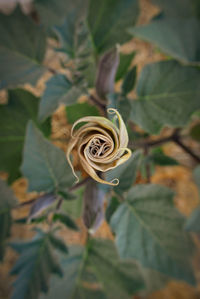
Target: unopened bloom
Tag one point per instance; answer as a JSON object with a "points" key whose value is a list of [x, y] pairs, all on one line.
{"points": [[101, 145]]}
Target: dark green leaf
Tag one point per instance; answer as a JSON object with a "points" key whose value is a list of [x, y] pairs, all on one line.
{"points": [[113, 204], [193, 222], [196, 174], [76, 111], [22, 106], [45, 165], [65, 219], [195, 132], [124, 63], [58, 243], [59, 90], [7, 202], [149, 228], [126, 173], [176, 37], [159, 158], [108, 21], [168, 95], [22, 49], [96, 272], [129, 81], [93, 208], [41, 203], [34, 266]]}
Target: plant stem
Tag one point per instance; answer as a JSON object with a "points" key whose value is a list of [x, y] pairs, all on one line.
{"points": [[174, 137]]}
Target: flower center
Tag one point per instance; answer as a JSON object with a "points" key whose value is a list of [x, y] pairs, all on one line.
{"points": [[98, 147]]}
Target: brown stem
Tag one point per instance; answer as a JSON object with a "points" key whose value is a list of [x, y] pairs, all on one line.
{"points": [[101, 105], [178, 141]]}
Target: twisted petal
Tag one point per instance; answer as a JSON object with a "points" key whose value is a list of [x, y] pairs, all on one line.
{"points": [[101, 145]]}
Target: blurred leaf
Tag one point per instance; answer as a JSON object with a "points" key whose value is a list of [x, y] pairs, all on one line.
{"points": [[65, 219], [129, 81], [106, 72], [22, 106], [154, 281], [159, 158], [44, 165], [22, 49], [121, 103], [195, 132], [66, 195], [59, 90], [193, 222], [108, 21], [168, 94], [53, 12], [96, 272], [76, 111], [74, 207], [149, 228], [126, 173], [7, 202], [124, 64], [93, 208], [41, 204], [34, 266], [176, 37], [179, 8], [196, 174], [112, 206]]}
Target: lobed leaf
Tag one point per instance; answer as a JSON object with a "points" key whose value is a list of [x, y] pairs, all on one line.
{"points": [[148, 228], [44, 165], [22, 50], [168, 93]]}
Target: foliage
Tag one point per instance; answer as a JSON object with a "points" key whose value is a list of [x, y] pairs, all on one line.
{"points": [[151, 239]]}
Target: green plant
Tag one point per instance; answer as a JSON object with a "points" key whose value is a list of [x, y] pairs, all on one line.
{"points": [[152, 239]]}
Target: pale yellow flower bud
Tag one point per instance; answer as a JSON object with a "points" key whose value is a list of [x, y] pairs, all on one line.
{"points": [[101, 145]]}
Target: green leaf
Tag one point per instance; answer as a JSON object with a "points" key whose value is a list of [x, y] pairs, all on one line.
{"points": [[179, 8], [53, 12], [121, 103], [196, 174], [34, 266], [112, 206], [44, 165], [65, 219], [59, 90], [22, 49], [74, 207], [96, 272], [176, 37], [168, 93], [76, 111], [149, 228], [108, 21], [193, 222], [14, 116], [195, 132], [129, 81], [124, 64], [7, 202], [159, 158], [126, 173]]}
